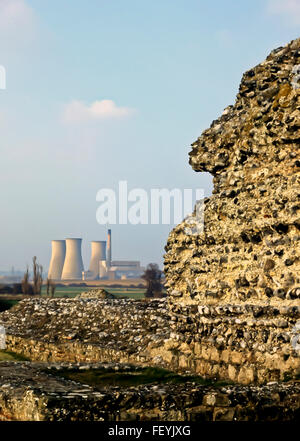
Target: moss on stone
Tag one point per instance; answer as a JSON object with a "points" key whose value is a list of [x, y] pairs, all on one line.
{"points": [[99, 378]]}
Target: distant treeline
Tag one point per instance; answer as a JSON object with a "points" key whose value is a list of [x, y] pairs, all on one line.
{"points": [[15, 288]]}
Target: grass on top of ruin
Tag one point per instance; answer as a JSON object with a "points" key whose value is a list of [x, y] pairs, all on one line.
{"points": [[103, 378]]}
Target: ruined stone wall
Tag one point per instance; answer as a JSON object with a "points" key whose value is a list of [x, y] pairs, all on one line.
{"points": [[234, 288], [249, 248], [30, 392], [244, 343]]}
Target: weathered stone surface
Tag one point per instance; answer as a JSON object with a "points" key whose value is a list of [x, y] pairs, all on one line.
{"points": [[30, 392], [244, 343], [249, 248]]}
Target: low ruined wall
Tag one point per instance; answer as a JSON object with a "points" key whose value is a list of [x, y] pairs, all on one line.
{"points": [[241, 343], [29, 392], [39, 350]]}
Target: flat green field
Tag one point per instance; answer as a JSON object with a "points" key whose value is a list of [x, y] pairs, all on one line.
{"points": [[73, 291]]}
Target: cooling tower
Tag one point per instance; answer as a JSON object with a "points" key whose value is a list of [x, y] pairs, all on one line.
{"points": [[102, 269], [57, 259], [98, 253], [108, 259], [73, 266]]}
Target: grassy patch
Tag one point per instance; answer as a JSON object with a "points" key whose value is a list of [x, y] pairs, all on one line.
{"points": [[99, 378], [7, 304], [65, 291], [11, 356]]}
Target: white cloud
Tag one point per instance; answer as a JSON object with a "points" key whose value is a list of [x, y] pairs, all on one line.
{"points": [[77, 111], [18, 25], [288, 9], [15, 14]]}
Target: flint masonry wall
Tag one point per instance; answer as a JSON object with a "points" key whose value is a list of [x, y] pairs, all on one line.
{"points": [[246, 257], [85, 329], [249, 248], [242, 343]]}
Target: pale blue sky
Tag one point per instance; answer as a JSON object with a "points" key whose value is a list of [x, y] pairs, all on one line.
{"points": [[173, 65]]}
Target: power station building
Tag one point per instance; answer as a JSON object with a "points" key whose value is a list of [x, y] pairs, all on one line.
{"points": [[66, 262]]}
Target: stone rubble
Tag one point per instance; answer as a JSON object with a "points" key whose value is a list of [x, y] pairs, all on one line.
{"points": [[96, 293]]}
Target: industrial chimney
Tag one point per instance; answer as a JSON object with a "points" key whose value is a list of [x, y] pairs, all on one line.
{"points": [[73, 265], [98, 253], [57, 259], [108, 258]]}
